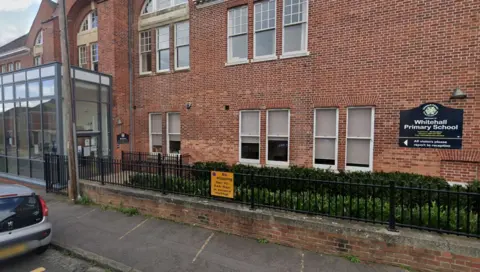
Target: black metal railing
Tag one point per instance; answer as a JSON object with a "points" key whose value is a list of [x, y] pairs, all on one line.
{"points": [[445, 210]]}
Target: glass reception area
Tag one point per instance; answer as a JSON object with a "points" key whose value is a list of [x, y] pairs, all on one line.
{"points": [[32, 121]]}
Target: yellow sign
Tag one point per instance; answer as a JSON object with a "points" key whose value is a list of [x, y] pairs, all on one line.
{"points": [[222, 184]]}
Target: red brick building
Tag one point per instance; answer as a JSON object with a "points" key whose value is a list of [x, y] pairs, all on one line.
{"points": [[279, 82]]}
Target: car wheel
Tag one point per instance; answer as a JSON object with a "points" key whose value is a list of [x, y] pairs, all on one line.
{"points": [[41, 250]]}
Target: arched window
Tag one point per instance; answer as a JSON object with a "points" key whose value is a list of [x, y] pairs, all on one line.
{"points": [[39, 38], [90, 21], [156, 5]]}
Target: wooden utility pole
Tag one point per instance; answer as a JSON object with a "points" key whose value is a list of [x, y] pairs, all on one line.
{"points": [[67, 109]]}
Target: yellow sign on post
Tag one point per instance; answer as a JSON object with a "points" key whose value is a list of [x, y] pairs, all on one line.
{"points": [[222, 184]]}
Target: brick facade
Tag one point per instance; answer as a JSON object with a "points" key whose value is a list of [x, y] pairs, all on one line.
{"points": [[390, 56]]}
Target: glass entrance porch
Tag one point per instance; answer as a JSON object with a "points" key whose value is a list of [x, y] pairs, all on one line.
{"points": [[32, 121]]}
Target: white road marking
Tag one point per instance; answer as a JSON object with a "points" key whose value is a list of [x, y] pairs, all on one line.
{"points": [[78, 217], [203, 247], [40, 269], [302, 264], [136, 227]]}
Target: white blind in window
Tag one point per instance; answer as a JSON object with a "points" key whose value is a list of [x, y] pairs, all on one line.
{"points": [[326, 123], [156, 123], [358, 151], [359, 122], [174, 137], [278, 123], [174, 123], [156, 139], [325, 149], [250, 123], [163, 36]]}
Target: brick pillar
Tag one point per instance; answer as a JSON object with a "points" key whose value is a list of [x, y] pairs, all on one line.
{"points": [[113, 60]]}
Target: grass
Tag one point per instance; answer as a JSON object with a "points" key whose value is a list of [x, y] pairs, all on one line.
{"points": [[84, 200], [406, 267], [127, 211], [352, 258], [262, 241]]}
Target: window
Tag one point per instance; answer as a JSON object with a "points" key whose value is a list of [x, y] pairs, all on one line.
{"points": [[295, 17], [250, 136], [156, 5], [82, 56], [264, 29], [37, 61], [238, 34], [39, 38], [278, 130], [163, 48], [94, 52], [10, 67], [18, 65], [4, 68], [145, 52], [155, 132], [325, 138], [90, 21], [360, 123], [173, 132], [182, 45]]}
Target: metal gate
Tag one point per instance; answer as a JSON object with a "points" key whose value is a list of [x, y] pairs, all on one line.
{"points": [[56, 173]]}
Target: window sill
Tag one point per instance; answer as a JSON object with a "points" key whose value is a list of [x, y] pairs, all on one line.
{"points": [[238, 62], [262, 59], [250, 163], [180, 69], [295, 55], [357, 169], [145, 74], [163, 72], [278, 164], [326, 167]]}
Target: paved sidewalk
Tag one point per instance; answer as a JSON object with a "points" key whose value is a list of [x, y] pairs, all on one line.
{"points": [[149, 244]]}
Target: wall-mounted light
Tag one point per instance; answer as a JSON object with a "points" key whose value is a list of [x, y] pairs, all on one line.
{"points": [[119, 122], [458, 94], [188, 105]]}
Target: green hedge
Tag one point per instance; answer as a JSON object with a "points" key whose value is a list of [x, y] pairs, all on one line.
{"points": [[327, 202]]}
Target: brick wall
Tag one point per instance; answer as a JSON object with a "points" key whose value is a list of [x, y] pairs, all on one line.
{"points": [[460, 171], [422, 251]]}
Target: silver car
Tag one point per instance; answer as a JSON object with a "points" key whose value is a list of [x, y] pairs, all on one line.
{"points": [[24, 222]]}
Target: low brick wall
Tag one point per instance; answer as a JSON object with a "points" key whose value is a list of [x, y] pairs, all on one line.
{"points": [[422, 251]]}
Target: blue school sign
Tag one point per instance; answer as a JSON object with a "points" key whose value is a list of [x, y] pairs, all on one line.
{"points": [[431, 125]]}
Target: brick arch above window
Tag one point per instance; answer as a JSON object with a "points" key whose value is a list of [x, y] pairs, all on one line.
{"points": [[151, 6]]}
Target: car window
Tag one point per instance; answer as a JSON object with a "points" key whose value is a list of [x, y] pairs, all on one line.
{"points": [[19, 212]]}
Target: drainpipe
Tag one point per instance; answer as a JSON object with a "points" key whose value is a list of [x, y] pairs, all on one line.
{"points": [[130, 72]]}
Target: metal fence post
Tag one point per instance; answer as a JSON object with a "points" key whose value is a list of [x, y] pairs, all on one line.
{"points": [[46, 166], [102, 171], [252, 190], [391, 219], [164, 179], [59, 181]]}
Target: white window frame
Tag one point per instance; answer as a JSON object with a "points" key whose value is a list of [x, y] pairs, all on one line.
{"points": [[4, 68], [177, 46], [154, 6], [230, 59], [162, 49], [18, 65], [144, 52], [274, 55], [82, 56], [93, 61], [277, 163], [150, 133], [300, 52], [240, 159], [11, 67], [89, 22], [371, 138], [37, 63], [168, 133], [39, 38], [315, 137]]}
